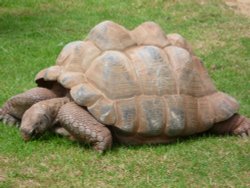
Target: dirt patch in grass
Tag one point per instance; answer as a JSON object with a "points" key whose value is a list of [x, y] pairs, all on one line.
{"points": [[16, 11], [2, 175], [240, 6]]}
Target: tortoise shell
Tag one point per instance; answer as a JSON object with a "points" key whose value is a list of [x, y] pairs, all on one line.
{"points": [[141, 81]]}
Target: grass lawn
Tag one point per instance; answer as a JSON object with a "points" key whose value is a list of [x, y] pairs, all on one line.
{"points": [[33, 32]]}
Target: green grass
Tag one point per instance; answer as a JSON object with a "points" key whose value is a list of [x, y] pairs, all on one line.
{"points": [[32, 33]]}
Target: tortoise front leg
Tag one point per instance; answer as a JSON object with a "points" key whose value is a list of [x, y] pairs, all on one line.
{"points": [[84, 127], [236, 125], [13, 110]]}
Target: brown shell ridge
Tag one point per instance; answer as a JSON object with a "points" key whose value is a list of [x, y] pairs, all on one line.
{"points": [[62, 61], [93, 42], [204, 76], [176, 39], [89, 68], [166, 95], [164, 115], [189, 129], [149, 33], [174, 75], [132, 66], [166, 112], [200, 124], [138, 114], [145, 40]]}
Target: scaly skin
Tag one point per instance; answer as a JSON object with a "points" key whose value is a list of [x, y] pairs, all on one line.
{"points": [[236, 125], [13, 110], [41, 117], [79, 123]]}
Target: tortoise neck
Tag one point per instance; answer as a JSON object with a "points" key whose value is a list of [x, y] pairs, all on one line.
{"points": [[59, 90]]}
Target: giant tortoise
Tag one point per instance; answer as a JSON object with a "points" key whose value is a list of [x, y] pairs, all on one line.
{"points": [[137, 86]]}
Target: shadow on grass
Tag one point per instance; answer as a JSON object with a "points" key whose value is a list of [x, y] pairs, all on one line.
{"points": [[189, 140]]}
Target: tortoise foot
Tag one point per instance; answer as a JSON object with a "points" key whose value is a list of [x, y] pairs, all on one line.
{"points": [[7, 119], [236, 125], [243, 128]]}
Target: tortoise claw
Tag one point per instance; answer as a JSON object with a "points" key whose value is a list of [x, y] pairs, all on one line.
{"points": [[9, 120], [17, 124], [4, 121], [244, 135], [1, 114], [243, 128]]}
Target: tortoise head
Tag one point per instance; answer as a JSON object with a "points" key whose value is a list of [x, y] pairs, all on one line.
{"points": [[34, 123]]}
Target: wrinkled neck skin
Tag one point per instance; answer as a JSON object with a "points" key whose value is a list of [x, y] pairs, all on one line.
{"points": [[54, 86]]}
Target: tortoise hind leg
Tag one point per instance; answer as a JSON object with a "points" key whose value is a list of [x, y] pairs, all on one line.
{"points": [[13, 110], [83, 127], [235, 125]]}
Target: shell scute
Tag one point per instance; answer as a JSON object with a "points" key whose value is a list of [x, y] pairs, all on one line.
{"points": [[89, 53], [71, 79], [191, 76], [103, 111], [112, 74], [84, 94], [77, 56], [108, 35], [152, 116], [153, 70], [175, 112], [205, 113], [192, 121], [223, 105], [149, 33], [67, 52], [176, 39], [52, 73], [126, 114]]}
